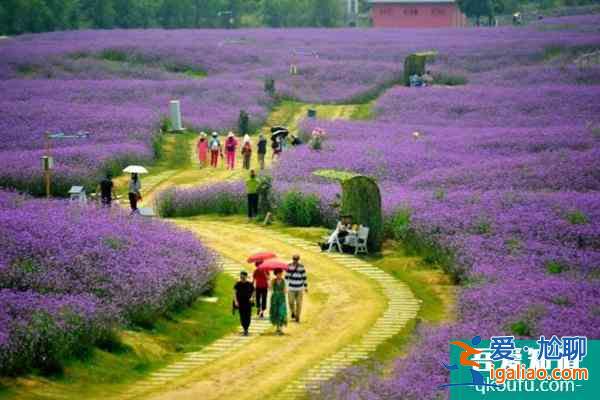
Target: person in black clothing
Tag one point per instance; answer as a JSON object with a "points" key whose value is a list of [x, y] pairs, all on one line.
{"points": [[262, 150], [106, 190], [296, 141], [244, 290]]}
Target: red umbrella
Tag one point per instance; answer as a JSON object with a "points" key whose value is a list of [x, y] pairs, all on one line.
{"points": [[271, 265], [261, 257]]}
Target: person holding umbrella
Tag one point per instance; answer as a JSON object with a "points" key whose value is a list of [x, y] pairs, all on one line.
{"points": [[135, 186], [243, 292], [135, 192], [261, 288], [297, 286], [261, 281]]}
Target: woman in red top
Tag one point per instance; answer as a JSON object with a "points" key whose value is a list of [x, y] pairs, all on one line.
{"points": [[230, 147], [261, 285]]}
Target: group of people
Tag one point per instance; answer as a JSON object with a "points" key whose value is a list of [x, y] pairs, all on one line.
{"points": [[425, 79], [342, 237], [250, 293], [211, 149]]}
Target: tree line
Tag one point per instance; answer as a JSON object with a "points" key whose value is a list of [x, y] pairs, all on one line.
{"points": [[477, 9], [19, 16]]}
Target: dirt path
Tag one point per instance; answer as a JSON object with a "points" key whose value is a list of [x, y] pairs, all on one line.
{"points": [[288, 115], [351, 308]]}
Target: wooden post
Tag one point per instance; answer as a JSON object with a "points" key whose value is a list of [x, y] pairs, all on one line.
{"points": [[47, 170]]}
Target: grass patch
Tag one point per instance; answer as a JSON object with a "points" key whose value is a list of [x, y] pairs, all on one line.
{"points": [[136, 353]]}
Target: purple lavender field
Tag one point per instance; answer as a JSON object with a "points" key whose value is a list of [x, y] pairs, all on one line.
{"points": [[117, 84], [69, 275], [503, 179]]}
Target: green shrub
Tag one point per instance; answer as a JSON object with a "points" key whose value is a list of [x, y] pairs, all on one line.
{"points": [[299, 209], [439, 194], [398, 225], [270, 86], [577, 217], [441, 78], [483, 226], [521, 328], [555, 267], [361, 199], [113, 55]]}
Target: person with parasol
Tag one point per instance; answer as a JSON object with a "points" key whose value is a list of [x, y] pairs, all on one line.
{"points": [[278, 137], [278, 309], [261, 281], [135, 185]]}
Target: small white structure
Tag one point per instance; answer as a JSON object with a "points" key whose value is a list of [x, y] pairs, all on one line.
{"points": [[77, 193], [147, 212], [175, 110]]}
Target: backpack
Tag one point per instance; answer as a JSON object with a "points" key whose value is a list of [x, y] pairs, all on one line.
{"points": [[230, 145], [214, 144]]}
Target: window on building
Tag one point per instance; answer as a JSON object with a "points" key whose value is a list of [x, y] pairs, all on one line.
{"points": [[385, 11], [411, 11], [438, 11]]}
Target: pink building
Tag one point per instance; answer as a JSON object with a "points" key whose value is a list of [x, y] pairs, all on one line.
{"points": [[416, 14]]}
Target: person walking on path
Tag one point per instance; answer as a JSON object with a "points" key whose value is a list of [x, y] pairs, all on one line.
{"points": [[297, 286], [230, 146], [261, 289], [252, 192], [135, 192], [202, 150], [276, 146], [243, 292], [278, 310], [107, 190], [247, 151], [261, 150], [215, 149]]}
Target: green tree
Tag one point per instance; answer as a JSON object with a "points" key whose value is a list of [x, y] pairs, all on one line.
{"points": [[3, 20], [272, 12], [476, 8], [325, 13]]}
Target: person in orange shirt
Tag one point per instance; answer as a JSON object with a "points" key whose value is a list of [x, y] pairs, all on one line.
{"points": [[202, 150]]}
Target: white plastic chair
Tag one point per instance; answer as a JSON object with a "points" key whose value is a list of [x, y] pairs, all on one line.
{"points": [[335, 242], [361, 242]]}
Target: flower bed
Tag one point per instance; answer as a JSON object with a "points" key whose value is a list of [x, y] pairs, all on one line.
{"points": [[77, 271]]}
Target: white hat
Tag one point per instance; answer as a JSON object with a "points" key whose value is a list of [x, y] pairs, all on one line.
{"points": [[246, 138], [203, 134], [230, 134], [215, 134]]}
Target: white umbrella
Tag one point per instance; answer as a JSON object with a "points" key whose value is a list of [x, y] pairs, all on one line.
{"points": [[135, 169]]}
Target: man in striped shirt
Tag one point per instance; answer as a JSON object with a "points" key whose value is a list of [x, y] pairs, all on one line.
{"points": [[297, 286]]}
